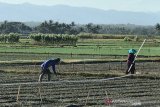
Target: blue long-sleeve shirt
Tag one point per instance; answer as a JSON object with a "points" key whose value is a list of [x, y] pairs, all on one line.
{"points": [[49, 63]]}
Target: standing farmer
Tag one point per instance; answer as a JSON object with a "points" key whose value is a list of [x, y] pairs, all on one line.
{"points": [[45, 68], [130, 61]]}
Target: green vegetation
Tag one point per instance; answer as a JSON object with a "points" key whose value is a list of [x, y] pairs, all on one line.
{"points": [[11, 38], [88, 46], [54, 39], [94, 57], [94, 48], [90, 53], [54, 27]]}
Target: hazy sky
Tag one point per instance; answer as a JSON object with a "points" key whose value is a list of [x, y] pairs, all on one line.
{"points": [[127, 5]]}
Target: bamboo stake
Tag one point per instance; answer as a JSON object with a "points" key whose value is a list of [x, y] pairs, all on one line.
{"points": [[18, 93], [87, 98], [39, 91]]}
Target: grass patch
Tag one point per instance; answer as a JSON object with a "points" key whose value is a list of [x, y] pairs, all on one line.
{"points": [[91, 47]]}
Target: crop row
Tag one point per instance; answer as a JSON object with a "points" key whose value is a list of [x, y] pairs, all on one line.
{"points": [[89, 93], [147, 68], [54, 38]]}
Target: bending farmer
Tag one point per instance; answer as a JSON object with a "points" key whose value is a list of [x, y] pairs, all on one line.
{"points": [[130, 61], [45, 68]]}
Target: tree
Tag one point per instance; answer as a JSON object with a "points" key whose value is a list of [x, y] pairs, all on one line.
{"points": [[14, 27], [91, 28], [157, 27]]}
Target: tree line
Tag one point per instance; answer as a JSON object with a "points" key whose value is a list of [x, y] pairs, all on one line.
{"points": [[54, 27]]}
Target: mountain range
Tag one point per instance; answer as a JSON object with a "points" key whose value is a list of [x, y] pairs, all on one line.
{"points": [[80, 15]]}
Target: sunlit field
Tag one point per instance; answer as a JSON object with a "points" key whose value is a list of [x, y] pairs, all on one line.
{"points": [[87, 75]]}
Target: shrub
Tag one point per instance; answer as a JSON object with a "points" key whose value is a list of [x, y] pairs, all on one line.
{"points": [[11, 38], [55, 39]]}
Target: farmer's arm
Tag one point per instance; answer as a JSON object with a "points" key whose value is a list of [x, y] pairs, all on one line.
{"points": [[53, 68], [129, 59]]}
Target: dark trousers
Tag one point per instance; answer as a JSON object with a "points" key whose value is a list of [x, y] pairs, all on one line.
{"points": [[132, 70], [45, 71]]}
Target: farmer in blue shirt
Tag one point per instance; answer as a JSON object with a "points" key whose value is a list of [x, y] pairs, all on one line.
{"points": [[45, 68]]}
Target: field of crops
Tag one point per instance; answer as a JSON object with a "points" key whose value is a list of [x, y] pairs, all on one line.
{"points": [[85, 76], [98, 47], [122, 92], [79, 88]]}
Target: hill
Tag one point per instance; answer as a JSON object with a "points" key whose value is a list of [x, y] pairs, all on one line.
{"points": [[82, 15]]}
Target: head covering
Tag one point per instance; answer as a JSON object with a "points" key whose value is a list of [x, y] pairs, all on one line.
{"points": [[132, 51], [57, 60]]}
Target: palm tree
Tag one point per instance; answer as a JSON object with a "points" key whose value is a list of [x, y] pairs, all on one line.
{"points": [[72, 24], [89, 27], [157, 26]]}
